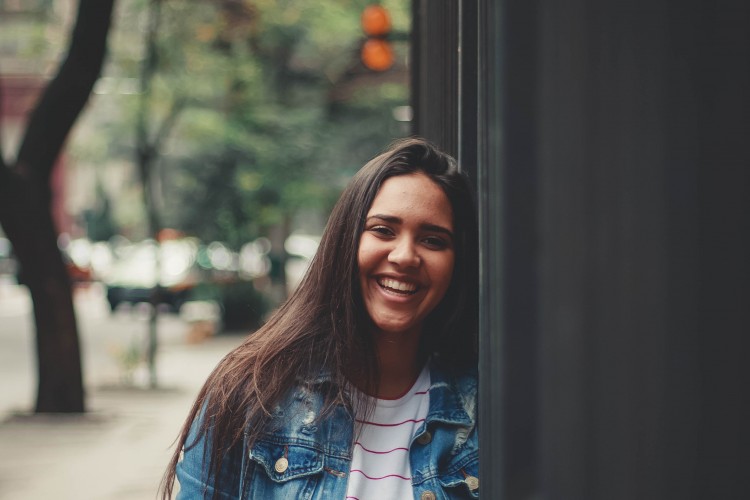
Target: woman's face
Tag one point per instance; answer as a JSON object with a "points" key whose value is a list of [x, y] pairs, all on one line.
{"points": [[406, 253]]}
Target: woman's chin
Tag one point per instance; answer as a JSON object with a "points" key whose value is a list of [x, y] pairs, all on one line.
{"points": [[397, 330]]}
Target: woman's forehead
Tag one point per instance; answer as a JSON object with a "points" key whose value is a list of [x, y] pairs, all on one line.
{"points": [[412, 196]]}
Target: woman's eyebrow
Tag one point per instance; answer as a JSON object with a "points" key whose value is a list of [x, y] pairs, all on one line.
{"points": [[385, 218], [425, 227]]}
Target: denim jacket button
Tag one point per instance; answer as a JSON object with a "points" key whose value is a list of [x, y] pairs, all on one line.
{"points": [[472, 482], [428, 495], [281, 465], [425, 438]]}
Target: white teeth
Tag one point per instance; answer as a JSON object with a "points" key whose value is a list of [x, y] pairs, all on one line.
{"points": [[399, 286]]}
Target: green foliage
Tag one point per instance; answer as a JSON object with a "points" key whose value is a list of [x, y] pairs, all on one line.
{"points": [[278, 111]]}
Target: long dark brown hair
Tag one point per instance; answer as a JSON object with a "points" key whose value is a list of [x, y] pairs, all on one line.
{"points": [[322, 327]]}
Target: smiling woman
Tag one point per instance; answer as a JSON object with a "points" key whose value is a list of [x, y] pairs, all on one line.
{"points": [[363, 384], [405, 265]]}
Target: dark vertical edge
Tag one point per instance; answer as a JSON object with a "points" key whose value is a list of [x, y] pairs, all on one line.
{"points": [[435, 94], [467, 87], [519, 239], [489, 185], [415, 49], [507, 195]]}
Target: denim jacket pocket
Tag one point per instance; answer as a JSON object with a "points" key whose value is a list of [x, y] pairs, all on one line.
{"points": [[285, 462], [463, 482], [280, 471]]}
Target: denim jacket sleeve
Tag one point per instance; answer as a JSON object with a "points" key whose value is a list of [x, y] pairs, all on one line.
{"points": [[192, 470]]}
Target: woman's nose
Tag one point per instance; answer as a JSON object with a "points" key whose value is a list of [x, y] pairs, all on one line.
{"points": [[404, 254]]}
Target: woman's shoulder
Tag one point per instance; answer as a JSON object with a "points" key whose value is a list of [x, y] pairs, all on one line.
{"points": [[453, 393]]}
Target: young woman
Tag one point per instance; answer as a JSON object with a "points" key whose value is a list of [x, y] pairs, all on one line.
{"points": [[363, 384]]}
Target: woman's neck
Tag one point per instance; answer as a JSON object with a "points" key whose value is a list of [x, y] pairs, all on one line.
{"points": [[399, 363]]}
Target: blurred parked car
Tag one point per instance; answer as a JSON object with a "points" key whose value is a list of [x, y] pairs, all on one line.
{"points": [[132, 276]]}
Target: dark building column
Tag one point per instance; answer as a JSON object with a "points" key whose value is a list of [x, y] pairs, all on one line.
{"points": [[613, 169], [508, 176], [435, 35], [444, 82], [614, 188]]}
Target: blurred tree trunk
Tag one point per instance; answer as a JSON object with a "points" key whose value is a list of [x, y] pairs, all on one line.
{"points": [[25, 210]]}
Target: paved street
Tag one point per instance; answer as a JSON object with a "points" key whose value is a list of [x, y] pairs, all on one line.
{"points": [[105, 340], [118, 450]]}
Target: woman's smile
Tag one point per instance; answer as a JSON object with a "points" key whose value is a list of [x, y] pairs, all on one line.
{"points": [[396, 286], [406, 253]]}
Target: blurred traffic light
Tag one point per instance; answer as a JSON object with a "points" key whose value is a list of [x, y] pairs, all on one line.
{"points": [[377, 52], [376, 21]]}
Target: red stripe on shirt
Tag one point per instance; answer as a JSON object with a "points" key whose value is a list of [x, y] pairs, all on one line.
{"points": [[379, 452], [411, 420], [379, 478]]}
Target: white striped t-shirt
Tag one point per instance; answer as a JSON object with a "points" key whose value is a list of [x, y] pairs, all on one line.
{"points": [[380, 456]]}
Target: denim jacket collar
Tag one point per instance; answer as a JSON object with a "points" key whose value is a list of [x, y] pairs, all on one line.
{"points": [[452, 398]]}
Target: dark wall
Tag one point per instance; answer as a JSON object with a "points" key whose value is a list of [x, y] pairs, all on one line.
{"points": [[643, 203], [613, 168]]}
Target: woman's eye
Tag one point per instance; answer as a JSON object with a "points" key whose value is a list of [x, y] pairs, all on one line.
{"points": [[435, 242], [381, 230]]}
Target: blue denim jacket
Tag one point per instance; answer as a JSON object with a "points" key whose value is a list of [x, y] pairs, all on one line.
{"points": [[309, 459]]}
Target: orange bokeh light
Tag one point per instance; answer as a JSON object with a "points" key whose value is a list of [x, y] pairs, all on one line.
{"points": [[375, 20], [377, 54]]}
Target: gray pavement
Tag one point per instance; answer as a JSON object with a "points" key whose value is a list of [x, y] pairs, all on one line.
{"points": [[119, 449]]}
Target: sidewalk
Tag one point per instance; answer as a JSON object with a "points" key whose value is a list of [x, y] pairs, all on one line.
{"points": [[120, 448]]}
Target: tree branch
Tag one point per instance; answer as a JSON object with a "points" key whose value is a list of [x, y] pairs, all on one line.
{"points": [[148, 70], [168, 124], [2, 153], [66, 94]]}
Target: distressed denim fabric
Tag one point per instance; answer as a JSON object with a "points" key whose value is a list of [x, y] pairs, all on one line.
{"points": [[308, 459]]}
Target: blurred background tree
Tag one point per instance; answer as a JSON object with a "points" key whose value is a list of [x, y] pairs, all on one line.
{"points": [[259, 111], [275, 111], [26, 209], [248, 114]]}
